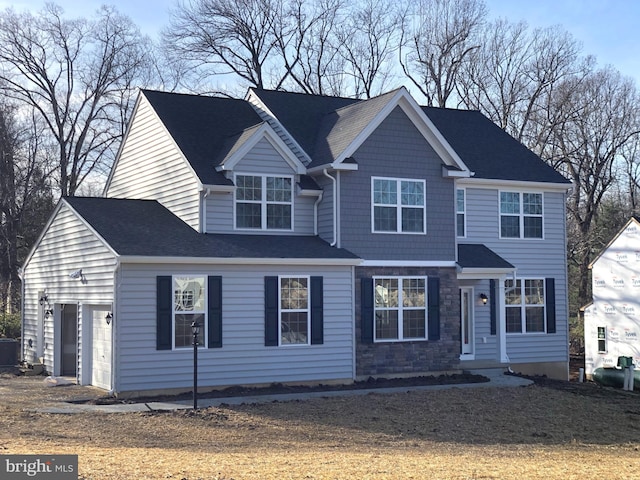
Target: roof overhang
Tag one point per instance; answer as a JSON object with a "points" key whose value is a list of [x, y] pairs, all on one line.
{"points": [[484, 273], [502, 184], [138, 259]]}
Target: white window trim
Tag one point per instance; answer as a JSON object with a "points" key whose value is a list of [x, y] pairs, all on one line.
{"points": [[401, 309], [263, 203], [463, 212], [281, 311], [521, 215], [398, 206], [605, 339], [523, 307], [203, 336]]}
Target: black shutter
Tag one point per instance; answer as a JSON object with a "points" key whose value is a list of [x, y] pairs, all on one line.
{"points": [[366, 301], [550, 300], [164, 312], [433, 310], [317, 311], [493, 305], [214, 317], [271, 311]]}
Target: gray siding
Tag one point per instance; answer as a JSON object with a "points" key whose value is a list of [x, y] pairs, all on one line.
{"points": [[151, 167], [67, 246], [262, 159], [243, 359], [533, 258], [396, 149]]}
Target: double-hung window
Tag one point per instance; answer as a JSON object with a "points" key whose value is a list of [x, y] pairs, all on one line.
{"points": [[525, 305], [189, 305], [521, 215], [264, 202], [602, 339], [398, 205], [460, 213], [400, 308], [295, 314]]}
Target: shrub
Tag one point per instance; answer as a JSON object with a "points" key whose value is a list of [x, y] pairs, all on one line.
{"points": [[10, 325]]}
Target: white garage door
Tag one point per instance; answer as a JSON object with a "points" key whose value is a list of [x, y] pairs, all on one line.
{"points": [[101, 350]]}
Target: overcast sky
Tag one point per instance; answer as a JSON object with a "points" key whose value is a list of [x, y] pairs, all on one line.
{"points": [[607, 29]]}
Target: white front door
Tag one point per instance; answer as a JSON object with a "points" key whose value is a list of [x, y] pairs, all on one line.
{"points": [[466, 323], [101, 350]]}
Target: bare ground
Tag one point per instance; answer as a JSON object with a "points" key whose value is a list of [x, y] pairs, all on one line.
{"points": [[556, 430]]}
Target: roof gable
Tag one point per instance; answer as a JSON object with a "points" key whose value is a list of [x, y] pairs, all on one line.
{"points": [[330, 129], [635, 220], [202, 126], [237, 147]]}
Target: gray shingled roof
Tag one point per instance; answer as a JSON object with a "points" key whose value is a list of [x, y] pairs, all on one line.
{"points": [[146, 228], [488, 150], [203, 127], [476, 255]]}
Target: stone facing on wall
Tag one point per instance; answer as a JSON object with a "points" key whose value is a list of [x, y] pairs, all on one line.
{"points": [[412, 357]]}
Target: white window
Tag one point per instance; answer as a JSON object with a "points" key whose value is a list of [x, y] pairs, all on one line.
{"points": [[602, 339], [521, 215], [264, 202], [189, 305], [461, 228], [295, 314], [525, 305], [400, 308], [398, 205]]}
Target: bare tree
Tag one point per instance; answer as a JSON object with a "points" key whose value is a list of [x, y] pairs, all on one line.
{"points": [[599, 120], [309, 48], [79, 76], [437, 37], [25, 196], [368, 40], [222, 37]]}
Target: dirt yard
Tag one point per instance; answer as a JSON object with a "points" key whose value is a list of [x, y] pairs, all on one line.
{"points": [[551, 430]]}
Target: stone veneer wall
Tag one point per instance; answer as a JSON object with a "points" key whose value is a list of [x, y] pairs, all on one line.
{"points": [[412, 357]]}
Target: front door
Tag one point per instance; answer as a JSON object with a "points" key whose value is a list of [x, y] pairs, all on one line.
{"points": [[69, 339], [466, 322]]}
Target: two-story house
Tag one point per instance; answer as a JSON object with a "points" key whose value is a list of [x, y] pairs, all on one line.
{"points": [[315, 239]]}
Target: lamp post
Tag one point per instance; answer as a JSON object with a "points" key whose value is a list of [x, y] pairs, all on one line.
{"points": [[195, 329]]}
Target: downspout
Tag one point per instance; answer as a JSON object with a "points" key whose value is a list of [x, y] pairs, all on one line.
{"points": [[315, 213], [22, 304], [203, 217], [335, 207]]}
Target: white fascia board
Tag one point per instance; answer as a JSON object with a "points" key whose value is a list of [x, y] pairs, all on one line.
{"points": [[496, 184], [345, 167], [45, 229], [265, 131], [122, 143], [484, 273], [178, 149], [448, 173], [255, 101], [53, 216], [219, 188], [240, 261], [425, 126], [408, 263]]}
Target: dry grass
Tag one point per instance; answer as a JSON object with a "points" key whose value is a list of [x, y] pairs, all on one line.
{"points": [[559, 431]]}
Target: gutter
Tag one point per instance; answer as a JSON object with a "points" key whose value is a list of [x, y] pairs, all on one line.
{"points": [[335, 206]]}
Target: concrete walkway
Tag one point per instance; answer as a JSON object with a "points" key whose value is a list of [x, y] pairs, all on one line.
{"points": [[496, 379]]}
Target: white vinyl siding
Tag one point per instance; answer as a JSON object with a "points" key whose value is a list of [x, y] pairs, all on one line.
{"points": [[67, 246], [243, 359], [151, 167]]}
